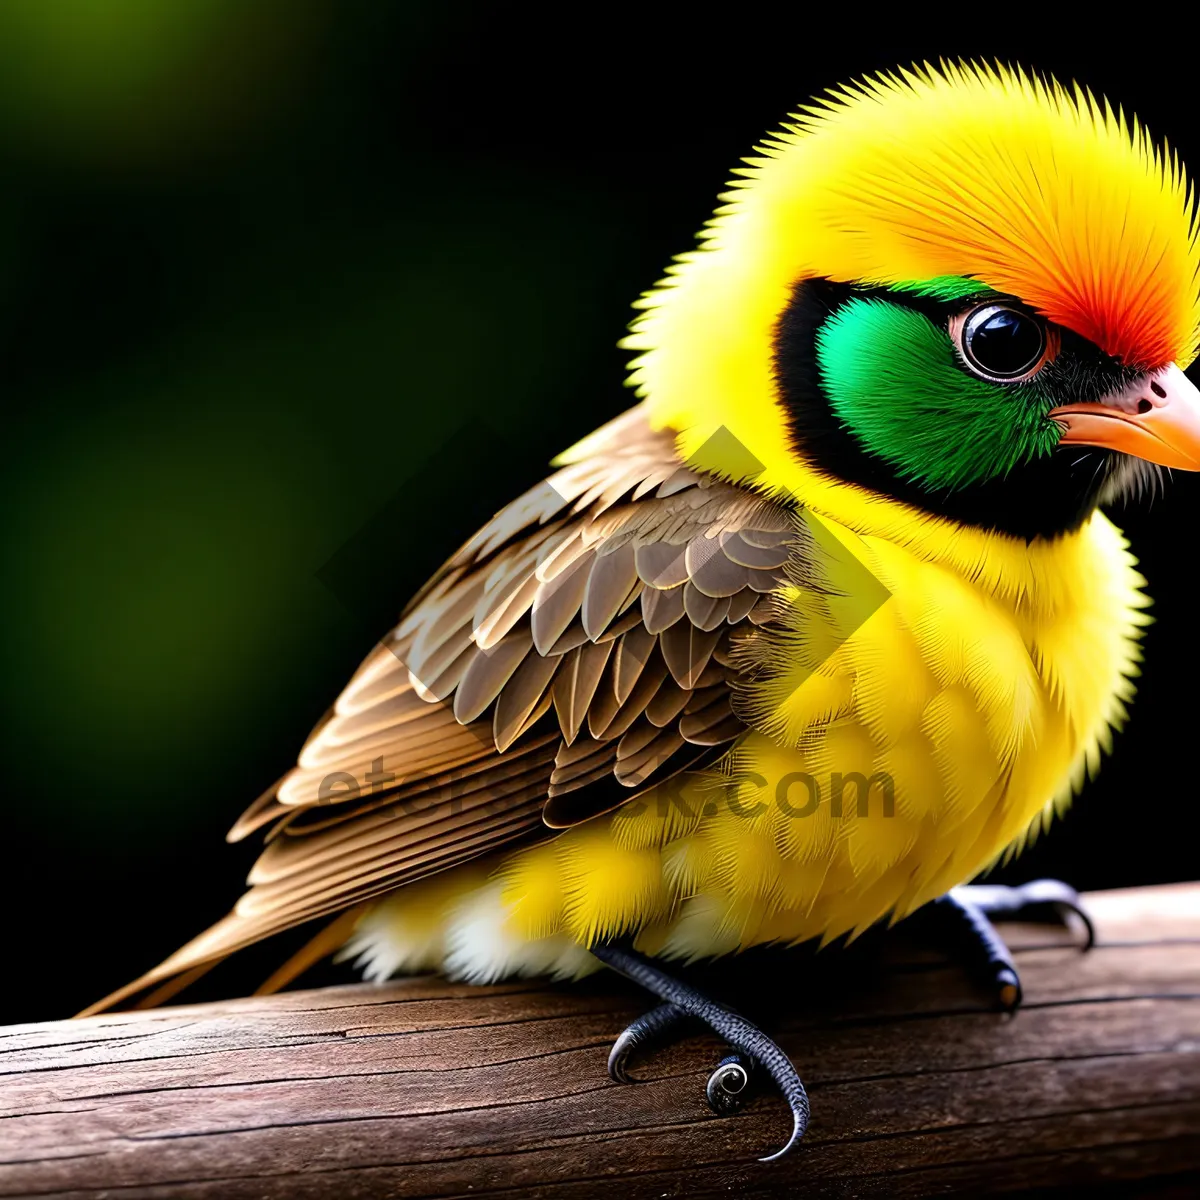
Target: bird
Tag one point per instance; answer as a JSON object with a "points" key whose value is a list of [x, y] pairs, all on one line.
{"points": [[827, 624]]}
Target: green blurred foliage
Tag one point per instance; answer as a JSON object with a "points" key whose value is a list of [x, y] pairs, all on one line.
{"points": [[116, 79]]}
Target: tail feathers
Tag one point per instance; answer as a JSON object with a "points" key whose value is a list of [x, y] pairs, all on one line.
{"points": [[187, 963], [328, 941], [230, 934], [173, 987], [262, 812]]}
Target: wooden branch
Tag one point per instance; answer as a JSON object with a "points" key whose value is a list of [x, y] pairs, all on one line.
{"points": [[423, 1088]]}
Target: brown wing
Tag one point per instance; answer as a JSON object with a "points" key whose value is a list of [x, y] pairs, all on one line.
{"points": [[574, 652]]}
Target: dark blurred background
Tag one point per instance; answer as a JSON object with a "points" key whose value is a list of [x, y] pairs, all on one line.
{"points": [[266, 266]]}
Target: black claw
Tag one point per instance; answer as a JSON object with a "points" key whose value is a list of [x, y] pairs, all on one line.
{"points": [[728, 1085], [986, 955], [799, 1125], [1089, 930], [646, 1030], [1008, 989], [724, 1022], [1030, 900], [619, 1055], [1054, 896]]}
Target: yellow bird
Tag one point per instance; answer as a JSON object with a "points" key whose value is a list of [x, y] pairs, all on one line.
{"points": [[825, 625]]}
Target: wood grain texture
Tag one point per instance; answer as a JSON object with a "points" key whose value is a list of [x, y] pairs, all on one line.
{"points": [[423, 1088]]}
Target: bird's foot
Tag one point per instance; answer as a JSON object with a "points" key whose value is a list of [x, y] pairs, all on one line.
{"points": [[729, 1082], [968, 913]]}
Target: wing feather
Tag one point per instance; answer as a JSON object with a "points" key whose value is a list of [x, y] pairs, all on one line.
{"points": [[575, 686]]}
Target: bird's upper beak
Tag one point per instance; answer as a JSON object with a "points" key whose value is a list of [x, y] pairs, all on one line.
{"points": [[1156, 417]]}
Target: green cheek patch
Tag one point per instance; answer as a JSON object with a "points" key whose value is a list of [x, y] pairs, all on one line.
{"points": [[894, 381]]}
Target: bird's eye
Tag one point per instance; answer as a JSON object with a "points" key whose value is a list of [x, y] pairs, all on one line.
{"points": [[1002, 342]]}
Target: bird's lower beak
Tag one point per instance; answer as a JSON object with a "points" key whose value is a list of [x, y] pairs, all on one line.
{"points": [[1156, 417]]}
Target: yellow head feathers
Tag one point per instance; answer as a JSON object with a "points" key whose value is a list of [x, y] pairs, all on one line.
{"points": [[1033, 190]]}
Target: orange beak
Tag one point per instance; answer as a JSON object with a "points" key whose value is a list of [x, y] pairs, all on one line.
{"points": [[1157, 417]]}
